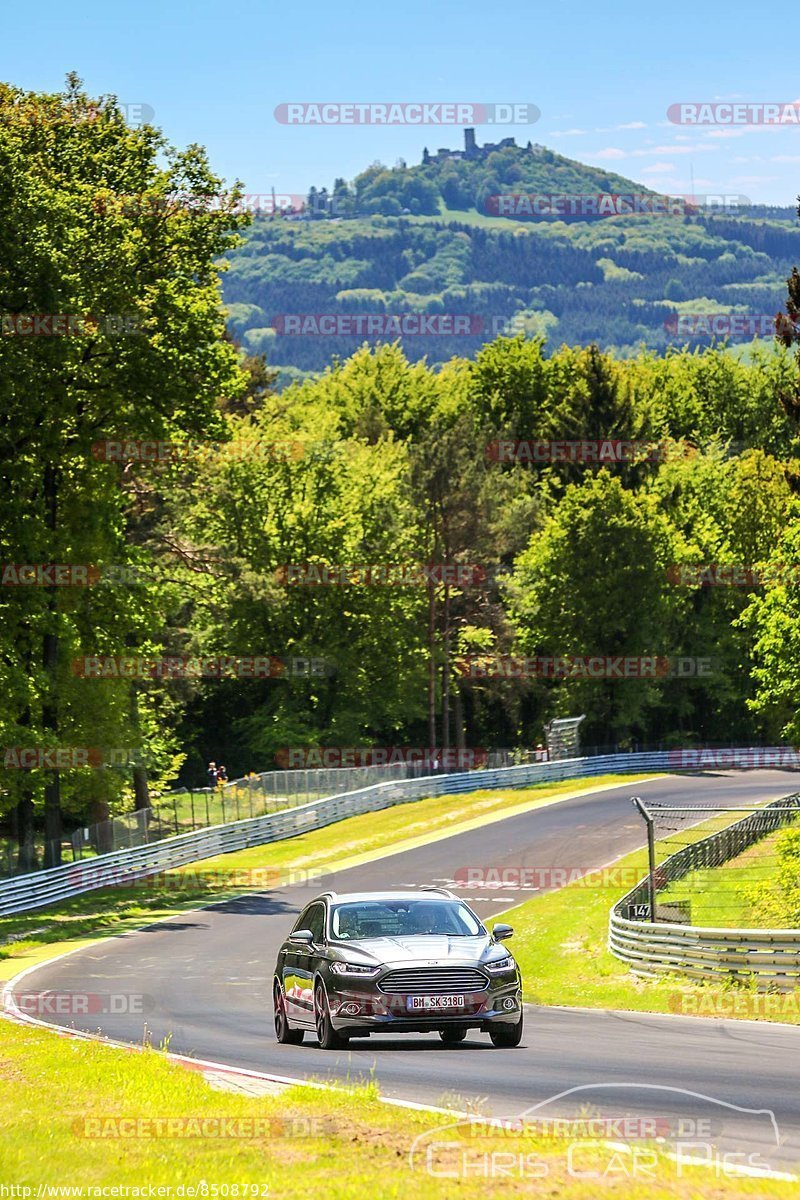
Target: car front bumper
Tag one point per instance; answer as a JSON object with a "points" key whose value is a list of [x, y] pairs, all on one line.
{"points": [[355, 1009]]}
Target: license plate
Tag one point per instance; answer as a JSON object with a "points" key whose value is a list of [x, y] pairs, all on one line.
{"points": [[434, 1003]]}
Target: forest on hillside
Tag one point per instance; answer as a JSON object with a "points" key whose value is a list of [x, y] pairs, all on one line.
{"points": [[626, 283]]}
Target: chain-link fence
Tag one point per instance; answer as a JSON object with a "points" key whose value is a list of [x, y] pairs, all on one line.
{"points": [[188, 809], [713, 867]]}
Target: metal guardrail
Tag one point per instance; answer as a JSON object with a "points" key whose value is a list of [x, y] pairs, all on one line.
{"points": [[26, 892], [188, 809], [771, 956]]}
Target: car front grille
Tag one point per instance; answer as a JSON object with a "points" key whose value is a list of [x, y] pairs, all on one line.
{"points": [[434, 980]]}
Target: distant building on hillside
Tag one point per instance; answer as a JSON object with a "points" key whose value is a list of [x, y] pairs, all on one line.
{"points": [[473, 151]]}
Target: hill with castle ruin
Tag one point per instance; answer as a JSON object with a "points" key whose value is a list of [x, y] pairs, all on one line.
{"points": [[508, 239]]}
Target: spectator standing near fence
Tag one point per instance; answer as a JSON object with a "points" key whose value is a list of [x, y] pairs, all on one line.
{"points": [[211, 774], [222, 775]]}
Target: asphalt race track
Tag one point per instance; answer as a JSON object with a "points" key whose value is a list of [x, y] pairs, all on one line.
{"points": [[207, 978]]}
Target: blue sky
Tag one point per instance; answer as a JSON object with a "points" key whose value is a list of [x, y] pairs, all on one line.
{"points": [[603, 77]]}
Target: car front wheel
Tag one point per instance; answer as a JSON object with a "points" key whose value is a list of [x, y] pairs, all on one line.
{"points": [[451, 1037], [327, 1036], [283, 1032], [505, 1037]]}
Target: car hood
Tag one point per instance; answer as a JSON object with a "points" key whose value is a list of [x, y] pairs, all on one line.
{"points": [[423, 950]]}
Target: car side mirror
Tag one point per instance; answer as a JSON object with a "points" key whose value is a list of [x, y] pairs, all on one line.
{"points": [[303, 936], [501, 933]]}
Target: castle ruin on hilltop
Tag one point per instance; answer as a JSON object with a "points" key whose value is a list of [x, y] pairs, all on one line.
{"points": [[475, 152]]}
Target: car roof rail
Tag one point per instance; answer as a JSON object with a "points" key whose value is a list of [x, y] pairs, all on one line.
{"points": [[322, 895], [430, 887]]}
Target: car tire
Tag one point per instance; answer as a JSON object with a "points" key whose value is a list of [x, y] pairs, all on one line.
{"points": [[327, 1036], [505, 1037], [451, 1037], [283, 1031]]}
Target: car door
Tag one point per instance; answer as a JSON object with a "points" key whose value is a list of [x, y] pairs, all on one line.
{"points": [[298, 971], [291, 984]]}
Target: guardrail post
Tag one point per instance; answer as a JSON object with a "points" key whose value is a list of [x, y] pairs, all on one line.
{"points": [[191, 801], [651, 854]]}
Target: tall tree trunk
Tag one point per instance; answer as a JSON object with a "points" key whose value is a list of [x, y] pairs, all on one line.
{"points": [[26, 853], [141, 792], [446, 671], [24, 817], [458, 715], [99, 820], [431, 664], [52, 788]]}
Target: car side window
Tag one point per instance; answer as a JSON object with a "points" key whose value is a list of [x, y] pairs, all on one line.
{"points": [[315, 921], [302, 920]]}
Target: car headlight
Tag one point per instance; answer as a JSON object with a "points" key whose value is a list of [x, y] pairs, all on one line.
{"points": [[362, 972], [501, 966]]}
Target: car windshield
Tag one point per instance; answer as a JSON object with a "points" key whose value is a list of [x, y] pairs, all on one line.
{"points": [[403, 918]]}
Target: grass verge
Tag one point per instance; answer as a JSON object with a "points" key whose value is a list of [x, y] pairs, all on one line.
{"points": [[83, 1115]]}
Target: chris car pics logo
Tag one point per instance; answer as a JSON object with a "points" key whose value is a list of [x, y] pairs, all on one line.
{"points": [[600, 1140]]}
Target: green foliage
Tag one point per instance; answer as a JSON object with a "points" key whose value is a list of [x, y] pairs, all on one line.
{"points": [[602, 555], [773, 620], [775, 902], [87, 231]]}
